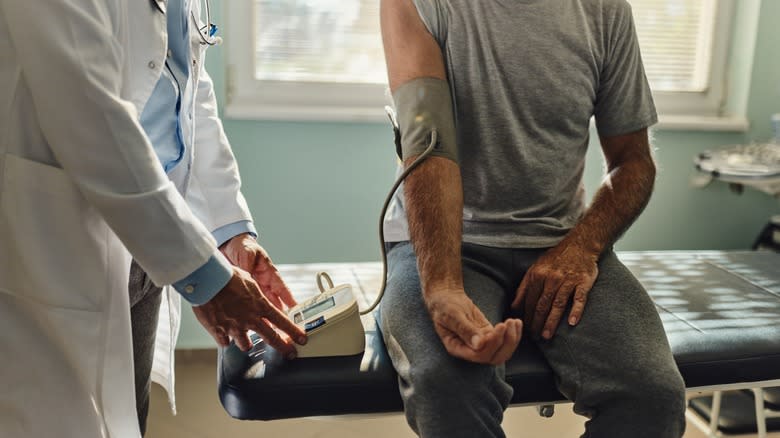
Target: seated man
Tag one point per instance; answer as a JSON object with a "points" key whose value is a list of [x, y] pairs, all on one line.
{"points": [[500, 227]]}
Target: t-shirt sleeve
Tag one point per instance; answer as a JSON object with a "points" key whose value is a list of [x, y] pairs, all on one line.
{"points": [[624, 102], [432, 15]]}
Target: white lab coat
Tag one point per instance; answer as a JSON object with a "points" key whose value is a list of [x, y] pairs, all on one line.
{"points": [[80, 190]]}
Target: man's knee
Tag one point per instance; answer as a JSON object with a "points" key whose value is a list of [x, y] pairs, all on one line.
{"points": [[436, 378], [659, 406], [664, 394], [455, 399], [652, 407], [655, 398], [459, 380]]}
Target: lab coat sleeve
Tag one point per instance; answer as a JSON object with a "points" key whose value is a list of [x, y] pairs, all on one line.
{"points": [[71, 58], [215, 193]]}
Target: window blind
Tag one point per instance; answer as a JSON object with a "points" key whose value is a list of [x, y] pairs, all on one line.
{"points": [[675, 37], [319, 41], [338, 41]]}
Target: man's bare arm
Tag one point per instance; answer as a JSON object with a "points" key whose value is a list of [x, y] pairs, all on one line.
{"points": [[434, 206], [433, 191], [570, 268], [622, 196]]}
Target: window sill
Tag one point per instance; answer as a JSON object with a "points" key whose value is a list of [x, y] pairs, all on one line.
{"points": [[702, 123], [304, 113], [250, 110]]}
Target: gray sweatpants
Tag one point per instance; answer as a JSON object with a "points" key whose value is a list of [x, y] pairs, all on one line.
{"points": [[145, 300], [616, 364]]}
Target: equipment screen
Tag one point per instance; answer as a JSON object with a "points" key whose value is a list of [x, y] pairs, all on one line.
{"points": [[318, 308]]}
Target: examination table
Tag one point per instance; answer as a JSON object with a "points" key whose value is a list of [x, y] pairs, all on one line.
{"points": [[721, 312]]}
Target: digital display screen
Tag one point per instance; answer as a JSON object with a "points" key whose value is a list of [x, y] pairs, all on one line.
{"points": [[318, 308]]}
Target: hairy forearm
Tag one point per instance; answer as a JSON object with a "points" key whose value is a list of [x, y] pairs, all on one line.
{"points": [[434, 208], [618, 202]]}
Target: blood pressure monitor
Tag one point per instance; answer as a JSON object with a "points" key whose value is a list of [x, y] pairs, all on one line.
{"points": [[332, 319], [332, 322]]}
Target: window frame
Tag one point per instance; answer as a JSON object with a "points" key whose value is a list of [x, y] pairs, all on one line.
{"points": [[711, 101], [250, 98]]}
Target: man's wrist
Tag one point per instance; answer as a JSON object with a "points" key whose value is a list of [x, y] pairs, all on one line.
{"points": [[450, 286], [587, 248]]}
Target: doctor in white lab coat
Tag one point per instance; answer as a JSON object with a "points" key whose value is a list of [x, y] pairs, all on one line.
{"points": [[81, 189]]}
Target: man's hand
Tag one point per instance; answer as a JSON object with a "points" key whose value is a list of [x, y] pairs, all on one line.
{"points": [[571, 267], [549, 284], [466, 333], [241, 306], [244, 251]]}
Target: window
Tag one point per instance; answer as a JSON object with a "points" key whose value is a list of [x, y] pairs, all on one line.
{"points": [[306, 59], [318, 41], [676, 59], [322, 59], [684, 46]]}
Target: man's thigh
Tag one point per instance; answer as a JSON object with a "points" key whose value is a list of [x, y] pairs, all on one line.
{"points": [[404, 319], [619, 346], [487, 280], [443, 395]]}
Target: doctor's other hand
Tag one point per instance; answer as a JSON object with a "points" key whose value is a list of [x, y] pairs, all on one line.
{"points": [[244, 251], [466, 333], [241, 306]]}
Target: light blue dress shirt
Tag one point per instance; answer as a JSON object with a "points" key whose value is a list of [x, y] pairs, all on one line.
{"points": [[162, 120]]}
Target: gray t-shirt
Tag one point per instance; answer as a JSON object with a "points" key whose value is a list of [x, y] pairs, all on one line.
{"points": [[526, 78]]}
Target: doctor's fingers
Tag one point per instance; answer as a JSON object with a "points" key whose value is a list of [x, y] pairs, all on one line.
{"points": [[274, 288], [284, 293], [267, 276], [208, 320], [273, 298], [274, 316], [252, 304], [241, 338], [271, 337], [264, 328], [248, 258]]}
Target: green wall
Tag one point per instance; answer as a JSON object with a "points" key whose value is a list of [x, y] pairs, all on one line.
{"points": [[316, 189]]}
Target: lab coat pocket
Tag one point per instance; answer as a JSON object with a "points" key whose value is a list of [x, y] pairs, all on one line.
{"points": [[49, 381], [52, 242]]}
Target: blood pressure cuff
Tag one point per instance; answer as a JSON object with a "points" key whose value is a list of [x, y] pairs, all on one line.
{"points": [[422, 105]]}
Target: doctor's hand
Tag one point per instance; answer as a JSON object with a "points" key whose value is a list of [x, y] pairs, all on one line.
{"points": [[241, 306], [563, 273], [244, 251], [466, 333]]}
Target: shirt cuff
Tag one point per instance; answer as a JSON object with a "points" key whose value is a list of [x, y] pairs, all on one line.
{"points": [[203, 284], [229, 231]]}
